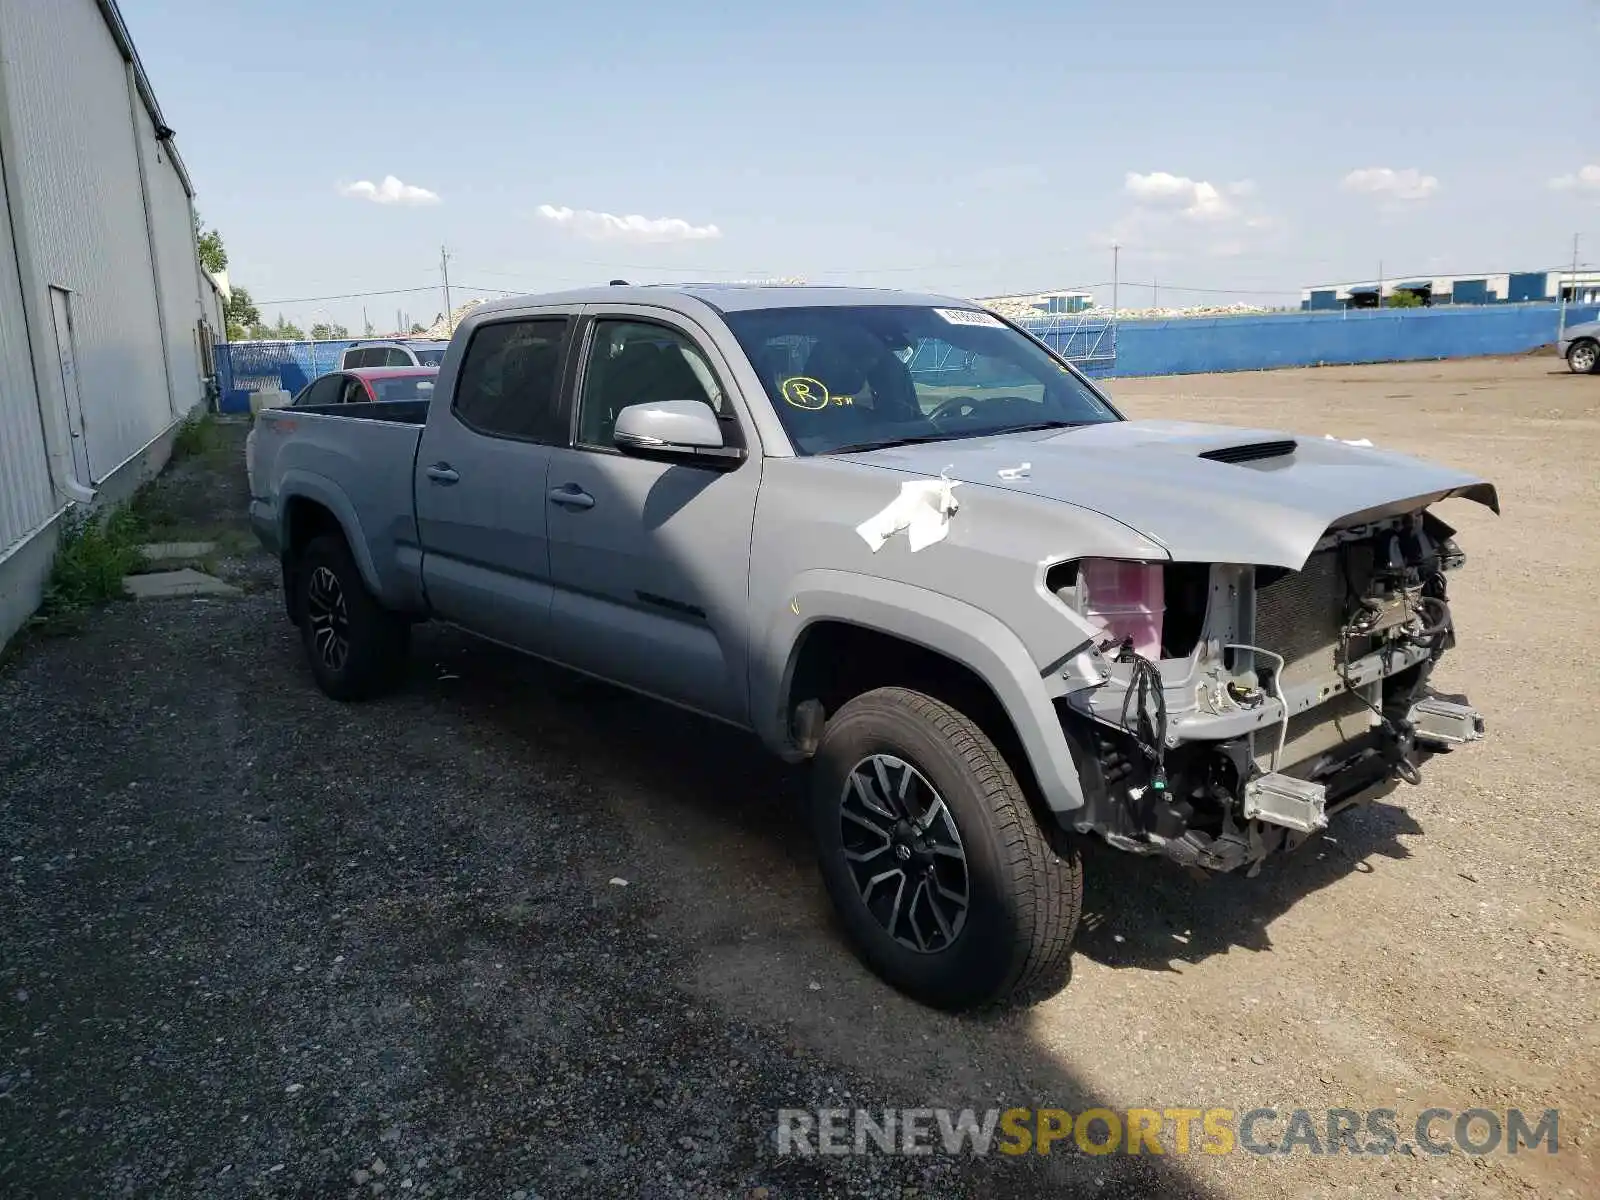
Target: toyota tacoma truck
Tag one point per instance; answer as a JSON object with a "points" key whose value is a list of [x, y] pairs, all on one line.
{"points": [[900, 538]]}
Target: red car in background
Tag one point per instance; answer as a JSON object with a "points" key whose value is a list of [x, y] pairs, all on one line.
{"points": [[368, 385]]}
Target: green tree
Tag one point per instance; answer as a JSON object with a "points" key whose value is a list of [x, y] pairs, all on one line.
{"points": [[415, 328], [284, 331], [241, 314], [324, 332], [213, 255], [1401, 298]]}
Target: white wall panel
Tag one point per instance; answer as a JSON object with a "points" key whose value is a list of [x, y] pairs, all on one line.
{"points": [[77, 160], [172, 224], [26, 495]]}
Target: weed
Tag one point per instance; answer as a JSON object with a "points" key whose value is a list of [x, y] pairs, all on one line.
{"points": [[194, 436], [92, 556]]}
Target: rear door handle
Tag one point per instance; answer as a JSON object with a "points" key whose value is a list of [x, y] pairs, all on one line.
{"points": [[443, 473], [571, 496]]}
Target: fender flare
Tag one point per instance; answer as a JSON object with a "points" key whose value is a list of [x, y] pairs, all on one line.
{"points": [[949, 627], [298, 484]]}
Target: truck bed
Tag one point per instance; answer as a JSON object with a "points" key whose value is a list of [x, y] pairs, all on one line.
{"points": [[357, 460], [404, 412]]}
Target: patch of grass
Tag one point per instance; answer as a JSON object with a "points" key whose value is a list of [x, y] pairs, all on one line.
{"points": [[93, 553], [195, 436]]}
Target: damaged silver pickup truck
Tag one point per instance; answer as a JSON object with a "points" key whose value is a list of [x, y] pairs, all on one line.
{"points": [[898, 537]]}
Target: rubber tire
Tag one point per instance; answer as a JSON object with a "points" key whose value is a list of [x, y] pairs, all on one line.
{"points": [[1594, 369], [379, 639], [1025, 895]]}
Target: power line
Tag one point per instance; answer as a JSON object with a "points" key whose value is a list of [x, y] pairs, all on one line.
{"points": [[432, 287]]}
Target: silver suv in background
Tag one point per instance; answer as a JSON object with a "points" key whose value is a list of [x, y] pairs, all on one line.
{"points": [[1580, 346], [392, 354]]}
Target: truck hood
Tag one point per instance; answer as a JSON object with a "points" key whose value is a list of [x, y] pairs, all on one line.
{"points": [[1202, 493]]}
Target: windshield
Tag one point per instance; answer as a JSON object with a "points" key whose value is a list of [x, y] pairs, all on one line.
{"points": [[403, 387], [852, 377], [429, 358]]}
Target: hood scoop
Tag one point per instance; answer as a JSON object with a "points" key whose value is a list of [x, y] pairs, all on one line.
{"points": [[1251, 451]]}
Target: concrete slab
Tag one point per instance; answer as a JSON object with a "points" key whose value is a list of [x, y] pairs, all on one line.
{"points": [[161, 585], [168, 551]]}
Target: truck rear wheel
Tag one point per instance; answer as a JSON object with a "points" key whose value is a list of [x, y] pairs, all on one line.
{"points": [[356, 647], [943, 879]]}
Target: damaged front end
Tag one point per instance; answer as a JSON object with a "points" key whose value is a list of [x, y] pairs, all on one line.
{"points": [[1227, 711]]}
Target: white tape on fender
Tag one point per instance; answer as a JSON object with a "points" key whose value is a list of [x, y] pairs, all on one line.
{"points": [[923, 509]]}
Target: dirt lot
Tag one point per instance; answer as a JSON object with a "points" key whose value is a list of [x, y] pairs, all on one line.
{"points": [[258, 944]]}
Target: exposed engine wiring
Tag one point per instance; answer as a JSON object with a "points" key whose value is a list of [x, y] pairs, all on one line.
{"points": [[1430, 611], [1147, 724], [1277, 692]]}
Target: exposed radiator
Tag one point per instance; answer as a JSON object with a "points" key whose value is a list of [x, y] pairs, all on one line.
{"points": [[1338, 720], [1299, 616]]}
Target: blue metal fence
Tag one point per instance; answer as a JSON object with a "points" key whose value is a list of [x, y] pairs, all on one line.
{"points": [[1191, 345], [245, 367], [1182, 345]]}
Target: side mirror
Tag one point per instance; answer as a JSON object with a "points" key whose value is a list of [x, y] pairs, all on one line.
{"points": [[684, 431]]}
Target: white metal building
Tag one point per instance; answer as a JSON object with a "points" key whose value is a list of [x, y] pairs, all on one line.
{"points": [[1506, 287], [106, 319]]}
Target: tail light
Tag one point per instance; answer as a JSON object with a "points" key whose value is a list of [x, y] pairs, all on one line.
{"points": [[1125, 599]]}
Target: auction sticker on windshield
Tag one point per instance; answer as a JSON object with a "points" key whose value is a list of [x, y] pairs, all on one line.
{"points": [[968, 316]]}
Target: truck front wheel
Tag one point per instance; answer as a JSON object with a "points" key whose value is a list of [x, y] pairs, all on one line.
{"points": [[356, 647], [945, 883]]}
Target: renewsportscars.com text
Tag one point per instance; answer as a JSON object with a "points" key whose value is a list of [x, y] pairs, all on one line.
{"points": [[1015, 1131]]}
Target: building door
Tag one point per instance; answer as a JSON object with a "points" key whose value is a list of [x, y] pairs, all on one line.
{"points": [[66, 356]]}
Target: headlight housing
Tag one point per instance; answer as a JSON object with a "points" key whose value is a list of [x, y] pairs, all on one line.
{"points": [[1124, 599]]}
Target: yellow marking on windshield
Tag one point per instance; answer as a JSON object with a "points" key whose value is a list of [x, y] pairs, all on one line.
{"points": [[802, 391]]}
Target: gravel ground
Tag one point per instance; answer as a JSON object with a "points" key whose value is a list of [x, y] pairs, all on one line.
{"points": [[256, 943]]}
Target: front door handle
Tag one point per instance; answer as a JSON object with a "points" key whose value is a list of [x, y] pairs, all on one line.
{"points": [[443, 473], [571, 496]]}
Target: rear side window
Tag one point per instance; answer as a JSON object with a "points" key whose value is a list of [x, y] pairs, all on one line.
{"points": [[406, 387], [395, 357], [509, 383]]}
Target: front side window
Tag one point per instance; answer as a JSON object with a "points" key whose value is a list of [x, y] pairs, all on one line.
{"points": [[853, 377], [321, 391], [509, 381], [633, 362]]}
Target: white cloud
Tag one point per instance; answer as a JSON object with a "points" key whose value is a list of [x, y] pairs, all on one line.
{"points": [[1587, 179], [1196, 199], [601, 226], [390, 191], [1409, 184]]}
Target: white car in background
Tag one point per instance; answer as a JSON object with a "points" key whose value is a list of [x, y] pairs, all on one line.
{"points": [[392, 354]]}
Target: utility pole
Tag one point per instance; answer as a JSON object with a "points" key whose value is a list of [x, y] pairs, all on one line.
{"points": [[1155, 292], [444, 266], [1380, 283], [1571, 290], [1116, 253]]}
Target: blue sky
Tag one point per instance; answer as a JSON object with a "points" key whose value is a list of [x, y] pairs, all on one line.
{"points": [[964, 147]]}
